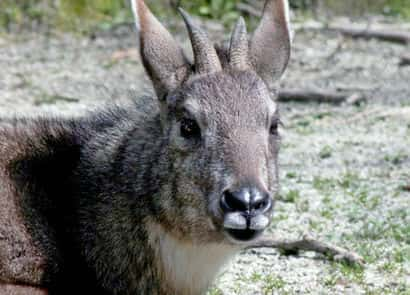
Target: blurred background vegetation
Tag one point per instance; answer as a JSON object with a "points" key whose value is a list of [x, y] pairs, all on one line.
{"points": [[85, 15]]}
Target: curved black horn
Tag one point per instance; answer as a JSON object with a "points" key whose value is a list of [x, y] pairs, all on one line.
{"points": [[239, 48], [206, 58]]}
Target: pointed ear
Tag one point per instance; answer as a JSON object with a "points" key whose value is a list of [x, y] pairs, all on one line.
{"points": [[162, 57], [270, 44]]}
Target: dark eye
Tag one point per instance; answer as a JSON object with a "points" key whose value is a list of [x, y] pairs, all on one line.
{"points": [[190, 129], [274, 127]]}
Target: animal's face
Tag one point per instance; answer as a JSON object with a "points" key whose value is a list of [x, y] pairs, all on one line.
{"points": [[221, 122], [224, 142]]}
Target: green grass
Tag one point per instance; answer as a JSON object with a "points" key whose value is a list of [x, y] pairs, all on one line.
{"points": [[223, 10], [325, 152], [86, 15], [215, 291], [291, 175], [324, 184], [272, 283], [396, 159], [398, 7], [343, 274], [75, 15], [291, 196]]}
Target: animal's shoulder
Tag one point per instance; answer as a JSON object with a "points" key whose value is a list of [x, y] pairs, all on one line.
{"points": [[38, 156]]}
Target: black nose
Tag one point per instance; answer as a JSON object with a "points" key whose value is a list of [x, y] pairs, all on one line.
{"points": [[246, 200]]}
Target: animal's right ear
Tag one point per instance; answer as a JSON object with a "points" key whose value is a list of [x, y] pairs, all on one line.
{"points": [[162, 57], [270, 44]]}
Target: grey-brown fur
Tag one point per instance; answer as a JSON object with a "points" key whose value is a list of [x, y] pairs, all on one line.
{"points": [[120, 202]]}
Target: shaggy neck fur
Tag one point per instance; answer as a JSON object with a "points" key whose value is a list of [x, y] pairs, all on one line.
{"points": [[188, 268]]}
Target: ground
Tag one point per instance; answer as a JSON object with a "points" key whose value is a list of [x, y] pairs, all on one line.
{"points": [[344, 168]]}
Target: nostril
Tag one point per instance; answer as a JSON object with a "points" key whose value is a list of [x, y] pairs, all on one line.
{"points": [[246, 200], [262, 204], [234, 201]]}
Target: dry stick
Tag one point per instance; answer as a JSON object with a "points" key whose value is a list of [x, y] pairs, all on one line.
{"points": [[404, 60], [406, 187], [300, 95], [309, 244], [401, 37]]}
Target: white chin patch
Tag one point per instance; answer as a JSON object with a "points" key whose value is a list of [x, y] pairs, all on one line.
{"points": [[259, 222], [235, 220]]}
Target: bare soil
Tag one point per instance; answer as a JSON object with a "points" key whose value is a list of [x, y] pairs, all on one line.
{"points": [[344, 168]]}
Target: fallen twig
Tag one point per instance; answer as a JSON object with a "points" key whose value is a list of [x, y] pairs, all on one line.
{"points": [[300, 95], [309, 244], [401, 37], [404, 60], [406, 187]]}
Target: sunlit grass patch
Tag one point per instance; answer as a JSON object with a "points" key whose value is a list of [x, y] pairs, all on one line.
{"points": [[103, 13], [324, 184], [215, 291], [272, 283], [326, 152], [292, 196], [75, 15]]}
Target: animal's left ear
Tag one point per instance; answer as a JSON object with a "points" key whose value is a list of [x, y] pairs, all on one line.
{"points": [[270, 44]]}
